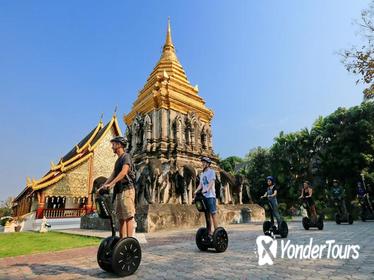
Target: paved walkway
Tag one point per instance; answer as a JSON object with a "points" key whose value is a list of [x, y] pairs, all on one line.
{"points": [[173, 255]]}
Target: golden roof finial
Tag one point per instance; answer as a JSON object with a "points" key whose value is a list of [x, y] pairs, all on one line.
{"points": [[169, 42], [101, 118], [115, 112]]}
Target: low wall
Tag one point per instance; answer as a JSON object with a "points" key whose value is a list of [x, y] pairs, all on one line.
{"points": [[155, 217]]}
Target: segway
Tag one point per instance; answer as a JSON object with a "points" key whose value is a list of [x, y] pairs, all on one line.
{"points": [[307, 221], [342, 216], [119, 256], [269, 228], [219, 241], [366, 211]]}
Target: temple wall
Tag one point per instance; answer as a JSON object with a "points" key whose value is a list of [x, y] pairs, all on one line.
{"points": [[74, 184], [104, 158]]}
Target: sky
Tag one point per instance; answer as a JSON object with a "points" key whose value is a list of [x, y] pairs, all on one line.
{"points": [[261, 66]]}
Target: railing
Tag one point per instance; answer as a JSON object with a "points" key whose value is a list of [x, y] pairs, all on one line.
{"points": [[64, 213]]}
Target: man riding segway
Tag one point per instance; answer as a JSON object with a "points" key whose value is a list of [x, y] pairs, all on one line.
{"points": [[210, 236], [122, 254]]}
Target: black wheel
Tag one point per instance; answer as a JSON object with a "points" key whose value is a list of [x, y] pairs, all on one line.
{"points": [[266, 226], [220, 240], [127, 255], [320, 223], [283, 231], [363, 218], [201, 234], [337, 219], [105, 252], [350, 219], [306, 223]]}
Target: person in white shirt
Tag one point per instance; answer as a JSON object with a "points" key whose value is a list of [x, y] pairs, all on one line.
{"points": [[207, 186]]}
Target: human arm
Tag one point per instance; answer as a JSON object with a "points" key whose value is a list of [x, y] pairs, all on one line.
{"points": [[274, 194], [110, 178], [310, 193], [198, 188], [302, 193], [121, 175]]}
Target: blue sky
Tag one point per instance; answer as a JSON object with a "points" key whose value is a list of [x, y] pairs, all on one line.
{"points": [[262, 66]]}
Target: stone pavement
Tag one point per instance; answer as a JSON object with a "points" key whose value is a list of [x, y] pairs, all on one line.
{"points": [[173, 255]]}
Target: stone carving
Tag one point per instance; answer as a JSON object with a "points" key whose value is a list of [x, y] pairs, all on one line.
{"points": [[166, 147]]}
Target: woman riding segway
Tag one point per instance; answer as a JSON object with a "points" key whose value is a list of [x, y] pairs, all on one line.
{"points": [[312, 220], [269, 227]]}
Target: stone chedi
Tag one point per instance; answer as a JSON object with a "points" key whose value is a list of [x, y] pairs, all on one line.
{"points": [[169, 129]]}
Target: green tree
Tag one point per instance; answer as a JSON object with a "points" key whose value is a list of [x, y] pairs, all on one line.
{"points": [[258, 167], [6, 207], [360, 60], [229, 164]]}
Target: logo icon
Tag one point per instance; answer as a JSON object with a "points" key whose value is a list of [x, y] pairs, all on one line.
{"points": [[266, 249]]}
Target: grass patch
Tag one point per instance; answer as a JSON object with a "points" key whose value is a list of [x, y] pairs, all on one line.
{"points": [[26, 243]]}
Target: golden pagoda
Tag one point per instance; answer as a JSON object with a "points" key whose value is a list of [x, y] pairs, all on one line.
{"points": [[169, 120]]}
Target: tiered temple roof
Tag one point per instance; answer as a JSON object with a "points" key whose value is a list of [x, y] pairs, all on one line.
{"points": [[79, 154]]}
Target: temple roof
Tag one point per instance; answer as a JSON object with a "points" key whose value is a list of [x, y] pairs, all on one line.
{"points": [[168, 87], [79, 154]]}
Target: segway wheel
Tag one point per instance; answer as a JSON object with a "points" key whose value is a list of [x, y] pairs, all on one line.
{"points": [[266, 226], [201, 235], [220, 240], [350, 219], [283, 231], [337, 219], [320, 223], [363, 218], [105, 252], [127, 255], [306, 223]]}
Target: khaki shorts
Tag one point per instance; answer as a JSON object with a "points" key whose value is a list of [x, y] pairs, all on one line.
{"points": [[125, 204]]}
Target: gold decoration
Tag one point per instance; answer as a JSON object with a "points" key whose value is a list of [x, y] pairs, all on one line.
{"points": [[168, 87]]}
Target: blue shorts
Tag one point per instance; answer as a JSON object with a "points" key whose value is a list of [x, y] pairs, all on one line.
{"points": [[211, 205]]}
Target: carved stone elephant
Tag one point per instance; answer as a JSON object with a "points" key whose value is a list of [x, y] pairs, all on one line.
{"points": [[232, 188], [227, 183], [185, 183]]}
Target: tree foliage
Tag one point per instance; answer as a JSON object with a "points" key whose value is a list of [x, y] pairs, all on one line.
{"points": [[360, 60], [339, 146], [6, 207]]}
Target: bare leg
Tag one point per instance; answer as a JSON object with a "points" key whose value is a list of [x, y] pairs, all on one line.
{"points": [[122, 229], [215, 222], [314, 213], [130, 227]]}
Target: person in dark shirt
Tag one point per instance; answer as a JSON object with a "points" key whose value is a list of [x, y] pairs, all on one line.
{"points": [[338, 194], [271, 194], [306, 193], [122, 180], [363, 195]]}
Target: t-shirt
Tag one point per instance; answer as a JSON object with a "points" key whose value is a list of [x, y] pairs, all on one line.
{"points": [[205, 178], [127, 181], [270, 191]]}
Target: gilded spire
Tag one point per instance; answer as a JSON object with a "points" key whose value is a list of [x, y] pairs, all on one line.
{"points": [[169, 42], [168, 87], [168, 50]]}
